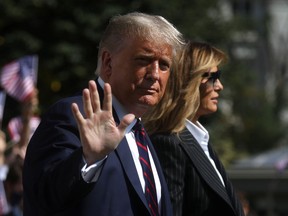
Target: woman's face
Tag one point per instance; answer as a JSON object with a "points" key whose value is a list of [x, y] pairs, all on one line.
{"points": [[209, 92]]}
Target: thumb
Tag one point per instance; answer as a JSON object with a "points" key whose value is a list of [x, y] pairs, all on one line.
{"points": [[125, 122]]}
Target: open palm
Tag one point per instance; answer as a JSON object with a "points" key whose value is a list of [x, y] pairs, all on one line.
{"points": [[99, 133]]}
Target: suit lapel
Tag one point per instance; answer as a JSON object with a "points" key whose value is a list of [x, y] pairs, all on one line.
{"points": [[125, 157], [229, 187], [202, 164]]}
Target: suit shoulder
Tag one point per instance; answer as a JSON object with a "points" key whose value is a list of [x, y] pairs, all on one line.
{"points": [[165, 139], [65, 103]]}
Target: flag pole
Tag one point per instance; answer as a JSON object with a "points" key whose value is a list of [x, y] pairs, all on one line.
{"points": [[35, 62], [2, 105]]}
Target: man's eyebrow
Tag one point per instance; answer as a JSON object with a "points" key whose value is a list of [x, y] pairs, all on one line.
{"points": [[167, 59], [148, 54]]}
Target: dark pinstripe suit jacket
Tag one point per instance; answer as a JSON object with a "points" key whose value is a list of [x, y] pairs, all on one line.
{"points": [[195, 188]]}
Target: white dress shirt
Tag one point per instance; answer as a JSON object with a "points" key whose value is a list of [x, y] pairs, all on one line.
{"points": [[202, 137]]}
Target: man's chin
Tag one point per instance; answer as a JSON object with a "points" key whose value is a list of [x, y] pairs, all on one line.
{"points": [[148, 101]]}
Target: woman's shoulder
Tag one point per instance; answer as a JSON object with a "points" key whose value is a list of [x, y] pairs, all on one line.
{"points": [[166, 138]]}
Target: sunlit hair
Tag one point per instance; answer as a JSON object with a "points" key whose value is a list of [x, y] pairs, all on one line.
{"points": [[141, 26], [182, 97]]}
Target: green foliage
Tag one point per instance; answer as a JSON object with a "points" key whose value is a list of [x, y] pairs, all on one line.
{"points": [[65, 36]]}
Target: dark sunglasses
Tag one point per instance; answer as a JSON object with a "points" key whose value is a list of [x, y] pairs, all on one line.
{"points": [[212, 76]]}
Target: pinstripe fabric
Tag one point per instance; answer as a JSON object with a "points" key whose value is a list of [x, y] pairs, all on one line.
{"points": [[229, 187], [195, 188]]}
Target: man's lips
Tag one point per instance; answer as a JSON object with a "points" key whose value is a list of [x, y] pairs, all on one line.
{"points": [[148, 89]]}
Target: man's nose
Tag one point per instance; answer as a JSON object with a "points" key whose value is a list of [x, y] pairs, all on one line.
{"points": [[154, 70]]}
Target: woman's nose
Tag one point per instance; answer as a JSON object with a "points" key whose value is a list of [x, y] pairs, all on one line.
{"points": [[218, 85]]}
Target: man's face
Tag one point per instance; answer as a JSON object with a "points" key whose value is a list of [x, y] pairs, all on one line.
{"points": [[138, 74]]}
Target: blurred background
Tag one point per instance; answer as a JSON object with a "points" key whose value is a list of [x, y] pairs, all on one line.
{"points": [[250, 129]]}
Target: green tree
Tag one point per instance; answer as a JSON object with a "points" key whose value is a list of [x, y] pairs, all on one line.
{"points": [[65, 35]]}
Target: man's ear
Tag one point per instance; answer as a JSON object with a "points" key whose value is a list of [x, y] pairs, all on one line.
{"points": [[106, 68]]}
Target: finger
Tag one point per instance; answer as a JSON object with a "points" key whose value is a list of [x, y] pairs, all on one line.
{"points": [[96, 106], [77, 114], [87, 103], [125, 122], [107, 102]]}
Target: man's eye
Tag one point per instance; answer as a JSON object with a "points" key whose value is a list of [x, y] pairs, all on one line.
{"points": [[164, 67]]}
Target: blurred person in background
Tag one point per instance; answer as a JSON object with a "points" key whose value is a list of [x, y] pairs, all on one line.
{"points": [[14, 188], [248, 210], [21, 128], [4, 208], [11, 190], [196, 178]]}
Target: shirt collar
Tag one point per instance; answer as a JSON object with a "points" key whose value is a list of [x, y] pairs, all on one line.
{"points": [[198, 131]]}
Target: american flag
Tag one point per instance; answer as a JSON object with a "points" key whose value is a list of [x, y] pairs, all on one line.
{"points": [[19, 77], [15, 126]]}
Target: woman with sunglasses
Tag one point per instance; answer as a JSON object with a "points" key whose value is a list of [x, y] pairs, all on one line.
{"points": [[196, 178]]}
